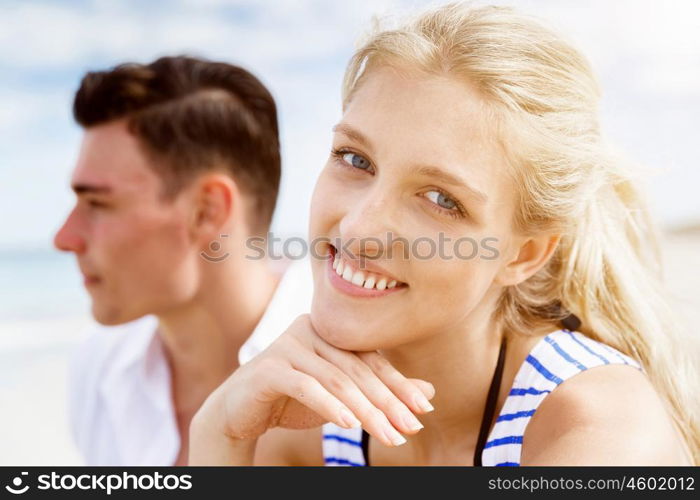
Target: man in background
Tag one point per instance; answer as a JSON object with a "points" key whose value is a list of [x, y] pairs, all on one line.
{"points": [[179, 167]]}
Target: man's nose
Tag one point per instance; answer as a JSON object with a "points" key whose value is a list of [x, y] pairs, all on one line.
{"points": [[68, 238]]}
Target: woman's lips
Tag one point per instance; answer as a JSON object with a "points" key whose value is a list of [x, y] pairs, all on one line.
{"points": [[359, 283]]}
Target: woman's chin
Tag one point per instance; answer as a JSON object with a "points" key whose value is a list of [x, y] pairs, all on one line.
{"points": [[345, 331]]}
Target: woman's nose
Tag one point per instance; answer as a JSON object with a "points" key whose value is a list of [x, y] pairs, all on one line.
{"points": [[368, 228]]}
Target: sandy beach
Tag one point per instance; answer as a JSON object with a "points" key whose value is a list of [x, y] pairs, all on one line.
{"points": [[33, 368], [34, 357]]}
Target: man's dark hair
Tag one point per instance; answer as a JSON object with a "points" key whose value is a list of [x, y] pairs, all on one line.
{"points": [[191, 115]]}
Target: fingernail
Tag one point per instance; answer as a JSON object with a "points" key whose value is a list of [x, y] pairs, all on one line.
{"points": [[393, 436], [411, 422], [423, 403], [349, 419]]}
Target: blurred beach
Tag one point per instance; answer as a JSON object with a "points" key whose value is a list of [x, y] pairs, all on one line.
{"points": [[46, 314]]}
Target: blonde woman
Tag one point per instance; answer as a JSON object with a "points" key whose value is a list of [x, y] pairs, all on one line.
{"points": [[552, 346]]}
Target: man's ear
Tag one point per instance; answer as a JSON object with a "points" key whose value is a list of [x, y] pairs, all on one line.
{"points": [[215, 198], [531, 256]]}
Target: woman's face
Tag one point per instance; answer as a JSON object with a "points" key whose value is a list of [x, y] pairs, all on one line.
{"points": [[414, 191]]}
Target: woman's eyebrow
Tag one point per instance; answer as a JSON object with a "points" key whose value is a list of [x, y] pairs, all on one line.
{"points": [[452, 180], [352, 133]]}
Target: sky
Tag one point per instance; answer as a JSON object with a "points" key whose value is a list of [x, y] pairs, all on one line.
{"points": [[646, 55]]}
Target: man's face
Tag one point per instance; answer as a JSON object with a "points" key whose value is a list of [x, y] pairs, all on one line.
{"points": [[133, 247]]}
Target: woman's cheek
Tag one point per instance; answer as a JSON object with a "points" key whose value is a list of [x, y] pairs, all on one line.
{"points": [[462, 283], [322, 206]]}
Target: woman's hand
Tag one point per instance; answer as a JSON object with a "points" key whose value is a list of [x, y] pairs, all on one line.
{"points": [[300, 382]]}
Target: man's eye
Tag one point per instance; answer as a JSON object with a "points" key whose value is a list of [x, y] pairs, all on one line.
{"points": [[441, 200], [356, 161]]}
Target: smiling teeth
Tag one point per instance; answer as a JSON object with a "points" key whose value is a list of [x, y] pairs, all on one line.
{"points": [[358, 278], [361, 278]]}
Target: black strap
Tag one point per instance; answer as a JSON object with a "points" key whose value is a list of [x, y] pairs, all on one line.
{"points": [[365, 446], [571, 322], [491, 401], [489, 410]]}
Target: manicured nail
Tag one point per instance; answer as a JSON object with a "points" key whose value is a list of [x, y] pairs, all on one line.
{"points": [[393, 436], [411, 422], [423, 403], [349, 420]]}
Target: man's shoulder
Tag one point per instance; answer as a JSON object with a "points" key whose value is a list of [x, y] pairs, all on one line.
{"points": [[113, 344], [105, 351], [105, 373], [105, 354]]}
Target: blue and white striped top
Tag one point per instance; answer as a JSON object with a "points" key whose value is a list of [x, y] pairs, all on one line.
{"points": [[555, 358]]}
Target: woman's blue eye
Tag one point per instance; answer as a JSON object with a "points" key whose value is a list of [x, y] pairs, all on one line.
{"points": [[441, 200], [356, 161]]}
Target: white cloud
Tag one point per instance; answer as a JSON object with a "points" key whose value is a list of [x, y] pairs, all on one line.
{"points": [[53, 36]]}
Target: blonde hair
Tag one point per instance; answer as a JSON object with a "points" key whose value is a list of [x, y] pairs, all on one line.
{"points": [[606, 269]]}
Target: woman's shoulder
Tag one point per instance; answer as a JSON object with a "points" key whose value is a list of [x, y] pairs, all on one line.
{"points": [[605, 414], [564, 353]]}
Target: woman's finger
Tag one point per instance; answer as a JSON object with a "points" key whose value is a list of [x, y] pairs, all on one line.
{"points": [[311, 393], [335, 381], [425, 387], [403, 387], [372, 387]]}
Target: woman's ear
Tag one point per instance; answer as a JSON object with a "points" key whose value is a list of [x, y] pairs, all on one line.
{"points": [[215, 197], [532, 255]]}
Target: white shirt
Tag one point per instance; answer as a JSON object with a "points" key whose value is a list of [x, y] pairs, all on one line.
{"points": [[119, 394]]}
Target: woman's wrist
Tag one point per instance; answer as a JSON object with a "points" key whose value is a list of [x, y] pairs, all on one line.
{"points": [[210, 445]]}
